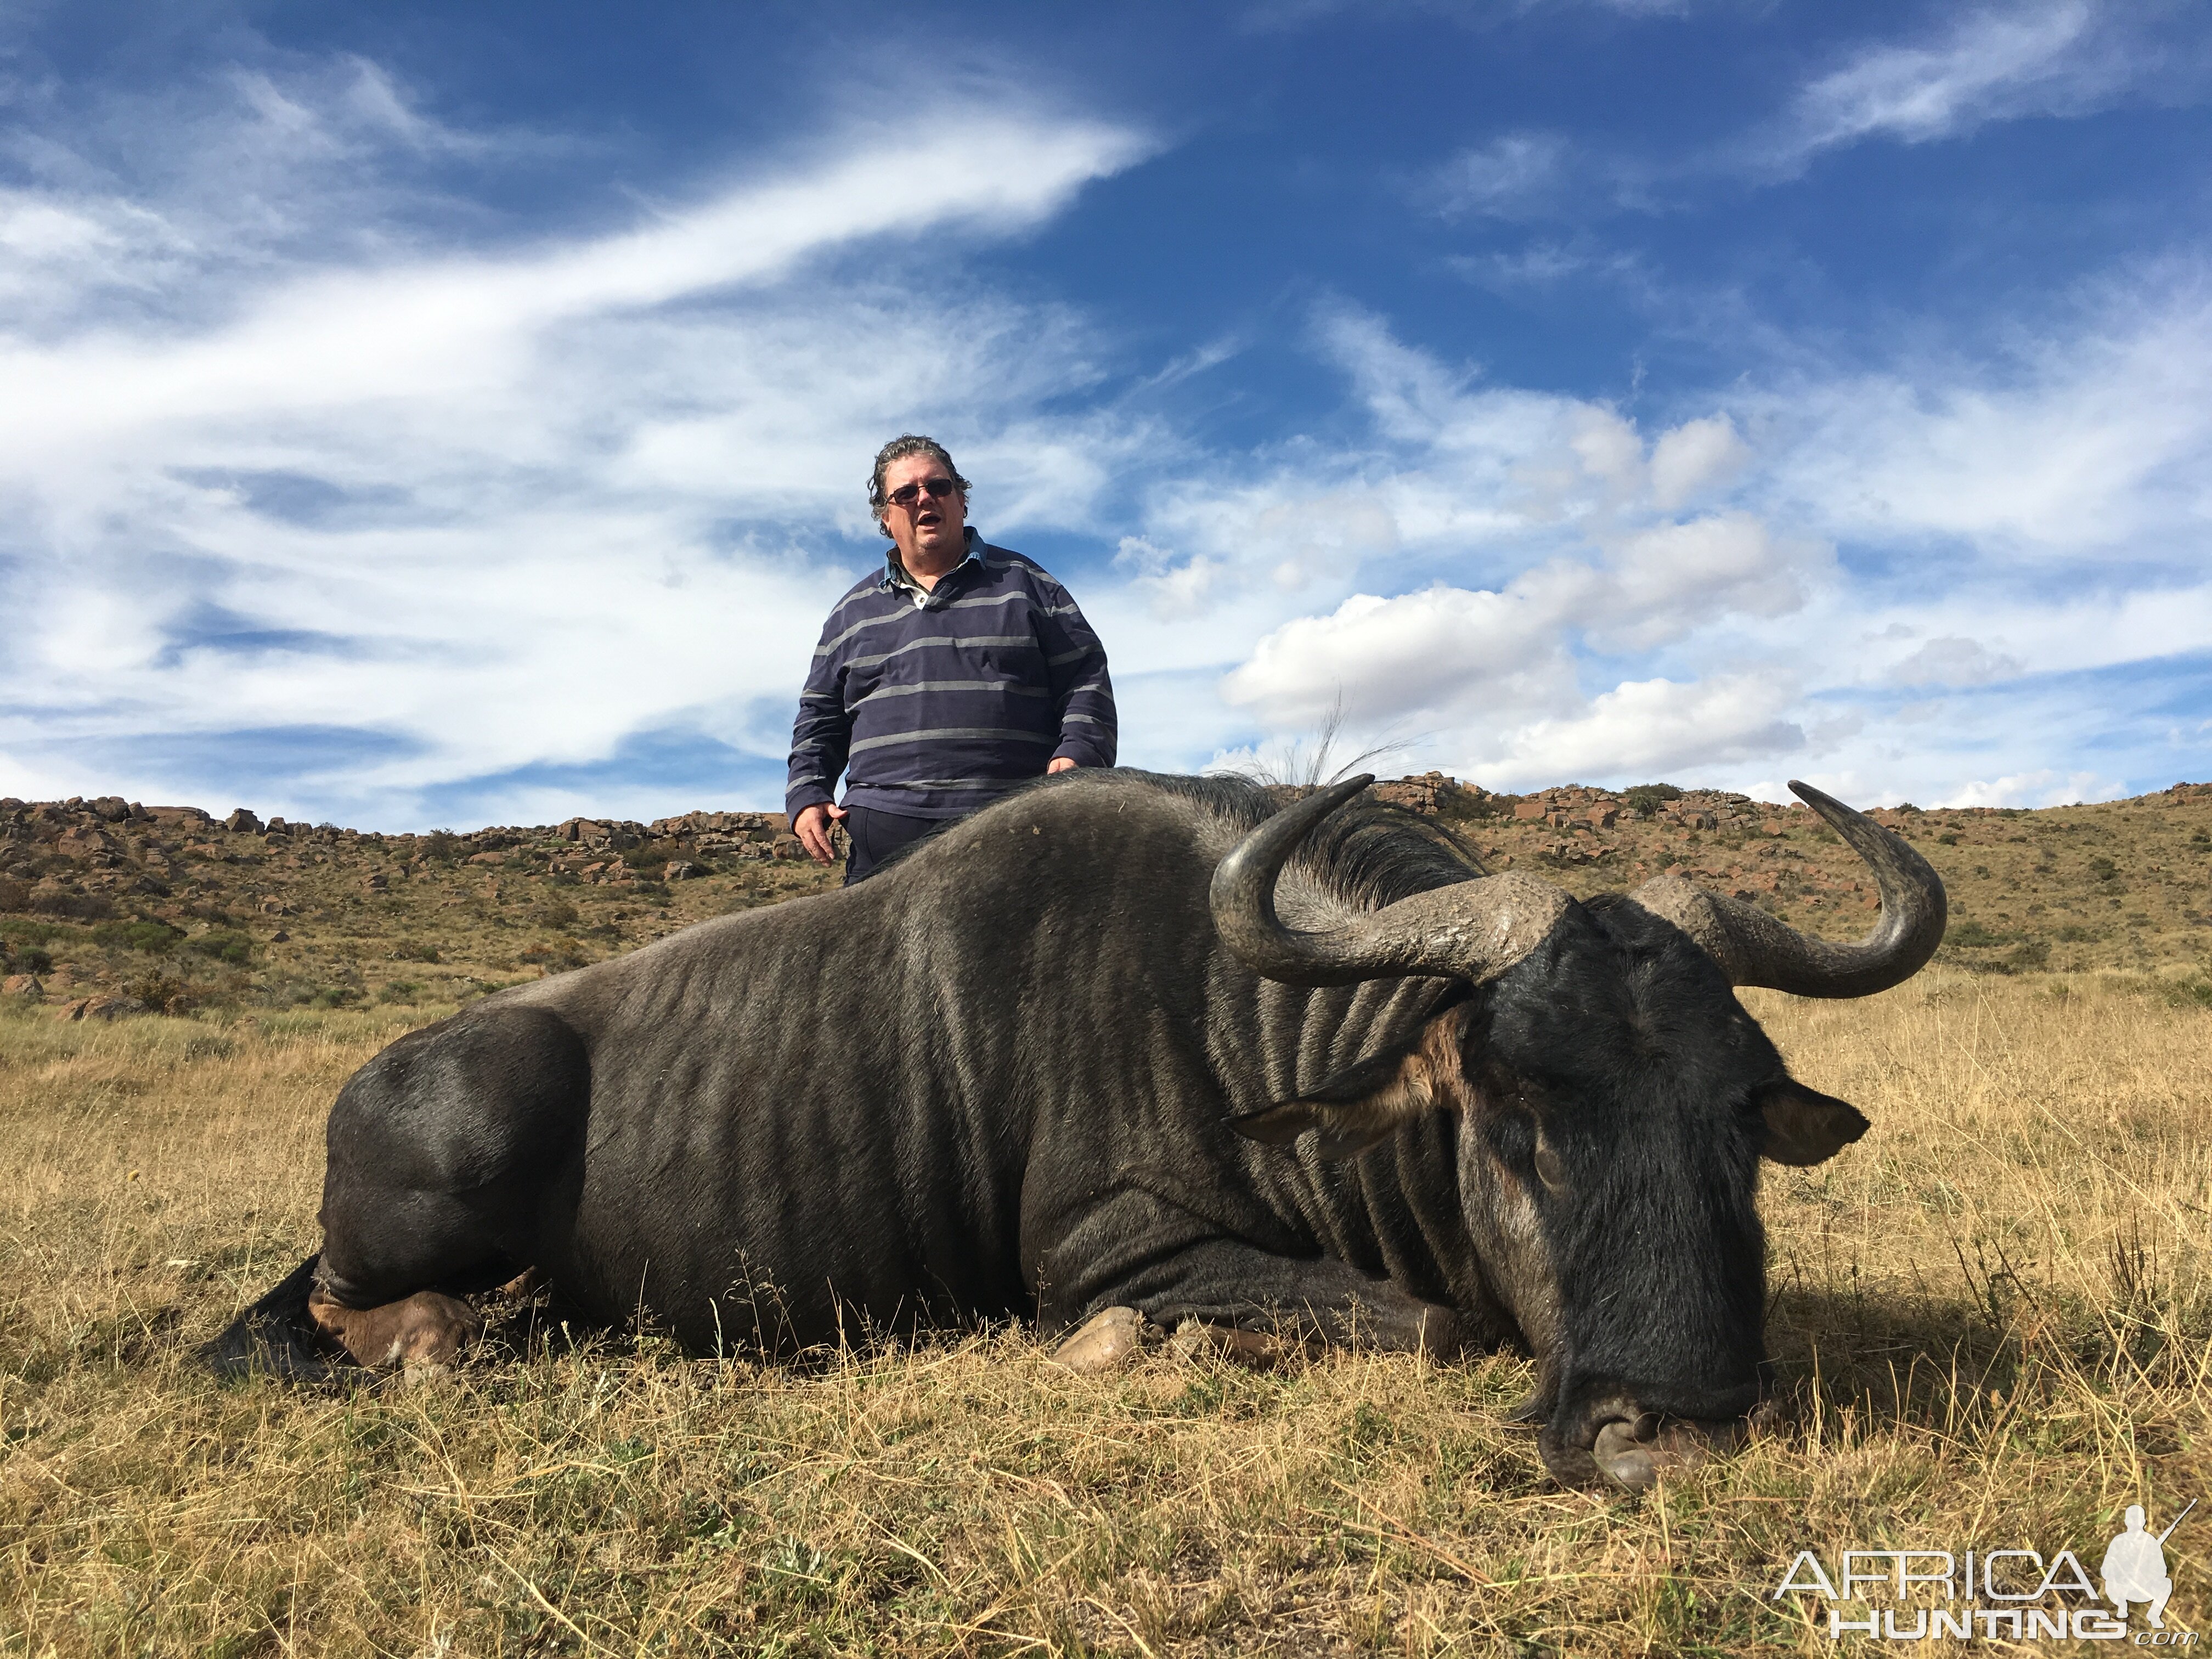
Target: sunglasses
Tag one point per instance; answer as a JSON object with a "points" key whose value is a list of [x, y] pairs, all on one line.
{"points": [[907, 495]]}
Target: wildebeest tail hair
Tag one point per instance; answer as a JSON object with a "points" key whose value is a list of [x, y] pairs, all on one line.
{"points": [[275, 1337]]}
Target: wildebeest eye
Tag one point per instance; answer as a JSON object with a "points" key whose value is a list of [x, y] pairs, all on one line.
{"points": [[1551, 1169]]}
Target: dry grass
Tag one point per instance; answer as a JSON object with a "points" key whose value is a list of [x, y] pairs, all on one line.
{"points": [[1991, 1321]]}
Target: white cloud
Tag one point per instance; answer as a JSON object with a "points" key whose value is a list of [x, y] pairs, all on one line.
{"points": [[1420, 655], [1661, 583], [2044, 788], [1516, 175], [1503, 659], [2091, 433], [1656, 727], [1617, 625], [1953, 661], [1695, 457], [1991, 64]]}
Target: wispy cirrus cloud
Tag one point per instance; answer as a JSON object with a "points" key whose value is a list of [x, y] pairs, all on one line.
{"points": [[2065, 60], [1986, 65], [473, 511]]}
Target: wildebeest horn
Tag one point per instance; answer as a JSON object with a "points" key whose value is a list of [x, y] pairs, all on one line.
{"points": [[1473, 930], [1753, 948]]}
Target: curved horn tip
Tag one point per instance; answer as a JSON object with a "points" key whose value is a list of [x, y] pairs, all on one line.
{"points": [[1837, 813]]}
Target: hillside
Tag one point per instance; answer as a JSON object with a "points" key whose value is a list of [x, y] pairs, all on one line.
{"points": [[170, 907]]}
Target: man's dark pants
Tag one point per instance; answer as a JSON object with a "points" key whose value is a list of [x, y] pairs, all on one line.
{"points": [[876, 836]]}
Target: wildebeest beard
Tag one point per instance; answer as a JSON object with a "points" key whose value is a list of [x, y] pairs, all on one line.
{"points": [[1059, 1064]]}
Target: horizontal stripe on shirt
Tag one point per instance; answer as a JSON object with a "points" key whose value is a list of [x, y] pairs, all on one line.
{"points": [[1029, 684]]}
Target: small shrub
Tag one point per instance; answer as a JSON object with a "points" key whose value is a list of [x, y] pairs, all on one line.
{"points": [[31, 959], [414, 951], [2103, 868], [1948, 838], [157, 991], [223, 946], [401, 991], [557, 955], [15, 895], [84, 906], [556, 913], [1645, 798], [1972, 935], [438, 847], [154, 937]]}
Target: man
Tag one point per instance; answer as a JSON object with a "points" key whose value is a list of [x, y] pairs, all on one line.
{"points": [[2134, 1570], [938, 686]]}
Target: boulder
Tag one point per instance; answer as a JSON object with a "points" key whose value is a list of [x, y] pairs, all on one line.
{"points": [[106, 1005], [242, 820], [682, 869], [21, 985], [86, 842]]}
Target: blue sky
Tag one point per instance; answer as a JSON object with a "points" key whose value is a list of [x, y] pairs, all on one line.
{"points": [[433, 414]]}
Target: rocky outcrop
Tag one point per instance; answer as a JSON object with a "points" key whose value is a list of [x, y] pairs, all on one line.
{"points": [[104, 1006]]}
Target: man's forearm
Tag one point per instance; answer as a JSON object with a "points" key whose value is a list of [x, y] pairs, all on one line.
{"points": [[821, 738]]}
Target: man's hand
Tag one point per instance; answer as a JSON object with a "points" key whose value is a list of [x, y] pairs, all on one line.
{"points": [[813, 829], [1059, 763]]}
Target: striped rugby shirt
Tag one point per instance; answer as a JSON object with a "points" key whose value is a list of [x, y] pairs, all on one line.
{"points": [[936, 701]]}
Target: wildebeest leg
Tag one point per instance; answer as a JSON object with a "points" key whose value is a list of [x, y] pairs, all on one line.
{"points": [[444, 1153], [1255, 1307]]}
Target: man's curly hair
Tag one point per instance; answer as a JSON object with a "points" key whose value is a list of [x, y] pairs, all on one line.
{"points": [[906, 444]]}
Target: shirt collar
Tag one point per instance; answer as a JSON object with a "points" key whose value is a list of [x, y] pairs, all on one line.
{"points": [[896, 579]]}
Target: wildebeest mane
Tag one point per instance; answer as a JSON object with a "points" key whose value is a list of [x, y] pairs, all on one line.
{"points": [[1366, 855]]}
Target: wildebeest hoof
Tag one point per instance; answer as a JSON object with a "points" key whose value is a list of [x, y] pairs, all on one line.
{"points": [[1637, 1454], [427, 1329], [1256, 1351], [1109, 1340]]}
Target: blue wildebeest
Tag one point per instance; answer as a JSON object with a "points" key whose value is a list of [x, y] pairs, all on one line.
{"points": [[1127, 1053]]}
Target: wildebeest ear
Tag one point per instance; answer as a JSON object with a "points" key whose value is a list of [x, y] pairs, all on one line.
{"points": [[1367, 1102], [1804, 1126]]}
